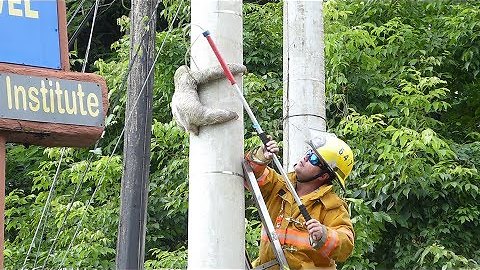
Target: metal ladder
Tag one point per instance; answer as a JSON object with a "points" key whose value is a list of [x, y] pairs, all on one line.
{"points": [[266, 221]]}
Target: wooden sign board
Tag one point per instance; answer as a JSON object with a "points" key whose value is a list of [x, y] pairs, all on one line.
{"points": [[51, 108]]}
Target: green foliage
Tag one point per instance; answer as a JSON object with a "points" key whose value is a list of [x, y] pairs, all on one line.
{"points": [[393, 66], [94, 246], [168, 260], [263, 37], [253, 227], [168, 195], [401, 87], [369, 228], [264, 95]]}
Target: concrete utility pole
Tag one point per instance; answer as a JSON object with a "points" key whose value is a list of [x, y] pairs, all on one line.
{"points": [[136, 153], [303, 77], [216, 223]]}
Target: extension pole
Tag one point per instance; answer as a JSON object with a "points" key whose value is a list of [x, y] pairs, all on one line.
{"points": [[2, 197], [256, 125], [216, 204], [136, 153]]}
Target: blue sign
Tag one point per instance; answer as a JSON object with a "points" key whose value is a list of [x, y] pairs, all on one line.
{"points": [[29, 33]]}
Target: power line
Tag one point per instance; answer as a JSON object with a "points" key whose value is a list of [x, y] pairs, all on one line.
{"points": [[122, 84], [77, 189], [80, 26], [75, 12], [122, 133], [52, 188], [89, 160], [91, 36]]}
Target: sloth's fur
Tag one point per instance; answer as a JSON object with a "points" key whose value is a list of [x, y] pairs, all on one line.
{"points": [[187, 110]]}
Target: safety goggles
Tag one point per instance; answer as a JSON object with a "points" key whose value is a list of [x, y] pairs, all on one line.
{"points": [[313, 158]]}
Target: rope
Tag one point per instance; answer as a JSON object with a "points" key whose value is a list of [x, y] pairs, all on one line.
{"points": [[121, 135]]}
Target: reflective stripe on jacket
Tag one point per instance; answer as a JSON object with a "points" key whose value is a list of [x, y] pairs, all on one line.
{"points": [[322, 204]]}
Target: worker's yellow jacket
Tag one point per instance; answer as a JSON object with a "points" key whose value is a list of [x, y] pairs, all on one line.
{"points": [[322, 204]]}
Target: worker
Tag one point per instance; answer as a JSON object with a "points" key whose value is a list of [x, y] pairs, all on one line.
{"points": [[328, 237]]}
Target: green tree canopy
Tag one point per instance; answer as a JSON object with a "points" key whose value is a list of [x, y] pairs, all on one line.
{"points": [[401, 86]]}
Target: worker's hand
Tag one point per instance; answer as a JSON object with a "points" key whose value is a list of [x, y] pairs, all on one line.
{"points": [[316, 229], [272, 148]]}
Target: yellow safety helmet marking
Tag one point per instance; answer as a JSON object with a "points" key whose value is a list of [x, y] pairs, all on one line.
{"points": [[335, 153]]}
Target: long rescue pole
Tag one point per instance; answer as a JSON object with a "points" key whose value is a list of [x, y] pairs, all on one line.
{"points": [[256, 125]]}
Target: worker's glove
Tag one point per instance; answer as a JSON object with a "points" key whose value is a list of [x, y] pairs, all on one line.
{"points": [[318, 233], [257, 155], [262, 155]]}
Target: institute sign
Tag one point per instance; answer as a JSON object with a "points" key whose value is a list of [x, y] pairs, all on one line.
{"points": [[50, 100]]}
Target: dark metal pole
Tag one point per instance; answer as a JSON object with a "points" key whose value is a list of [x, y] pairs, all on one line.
{"points": [[136, 153]]}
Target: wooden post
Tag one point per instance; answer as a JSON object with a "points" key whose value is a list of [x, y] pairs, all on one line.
{"points": [[136, 155], [2, 197], [216, 211], [304, 77]]}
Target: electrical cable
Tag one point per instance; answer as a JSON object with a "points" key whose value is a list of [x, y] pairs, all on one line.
{"points": [[44, 208], [63, 149], [121, 135], [123, 83], [52, 189], [90, 157], [89, 161], [39, 246], [97, 2], [62, 224], [109, 6], [80, 26], [75, 12]]}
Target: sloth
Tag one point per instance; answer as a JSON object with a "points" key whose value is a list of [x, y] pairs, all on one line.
{"points": [[187, 110]]}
